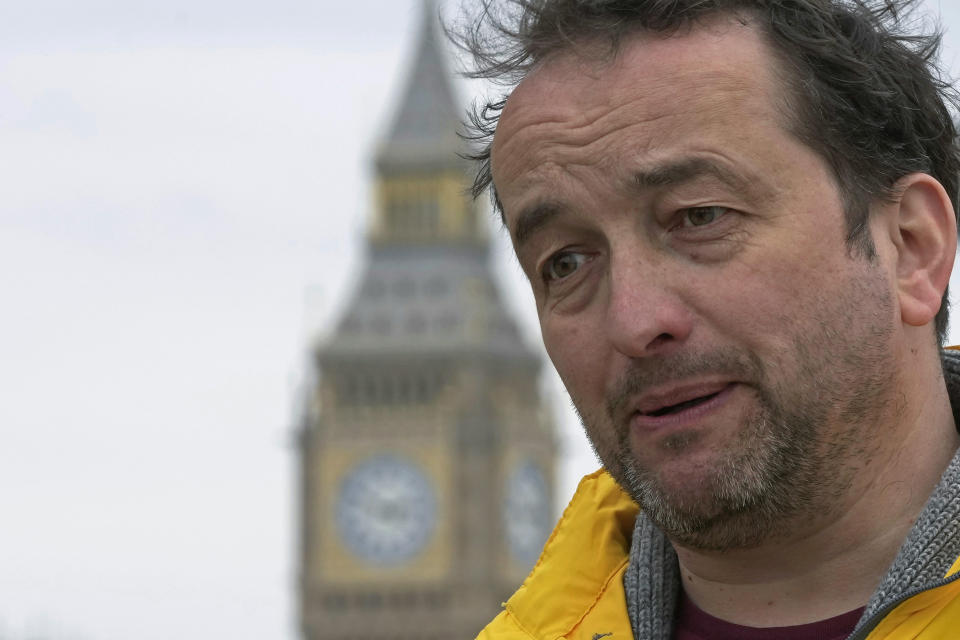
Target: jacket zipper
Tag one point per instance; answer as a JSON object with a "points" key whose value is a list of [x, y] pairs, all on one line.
{"points": [[875, 619]]}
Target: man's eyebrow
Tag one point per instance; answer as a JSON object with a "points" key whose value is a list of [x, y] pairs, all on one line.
{"points": [[538, 214], [687, 169], [532, 218]]}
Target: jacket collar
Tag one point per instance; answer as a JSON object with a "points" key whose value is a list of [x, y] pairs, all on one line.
{"points": [[586, 552]]}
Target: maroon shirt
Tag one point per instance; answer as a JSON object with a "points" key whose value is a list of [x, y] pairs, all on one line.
{"points": [[691, 623]]}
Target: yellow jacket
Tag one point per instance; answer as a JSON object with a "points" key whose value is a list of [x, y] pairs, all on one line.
{"points": [[575, 591]]}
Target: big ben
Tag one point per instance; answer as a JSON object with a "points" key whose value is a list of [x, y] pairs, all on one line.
{"points": [[427, 457]]}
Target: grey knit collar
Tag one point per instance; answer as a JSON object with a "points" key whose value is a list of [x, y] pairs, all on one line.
{"points": [[652, 579], [651, 582]]}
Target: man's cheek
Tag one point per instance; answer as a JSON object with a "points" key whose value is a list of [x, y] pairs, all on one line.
{"points": [[577, 357]]}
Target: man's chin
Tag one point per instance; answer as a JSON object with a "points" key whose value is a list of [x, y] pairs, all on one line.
{"points": [[689, 496], [695, 508], [690, 479]]}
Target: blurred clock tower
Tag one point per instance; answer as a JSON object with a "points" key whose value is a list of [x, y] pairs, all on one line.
{"points": [[427, 458]]}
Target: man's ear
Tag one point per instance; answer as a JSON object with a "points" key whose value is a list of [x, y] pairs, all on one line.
{"points": [[924, 231]]}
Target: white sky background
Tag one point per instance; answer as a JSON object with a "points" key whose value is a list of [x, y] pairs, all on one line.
{"points": [[182, 199]]}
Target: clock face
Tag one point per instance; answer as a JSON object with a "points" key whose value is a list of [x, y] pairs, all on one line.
{"points": [[526, 512], [386, 510]]}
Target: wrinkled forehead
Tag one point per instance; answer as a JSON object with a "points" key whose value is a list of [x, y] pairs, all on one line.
{"points": [[723, 64]]}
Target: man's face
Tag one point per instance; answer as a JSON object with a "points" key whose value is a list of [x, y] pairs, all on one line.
{"points": [[725, 351]]}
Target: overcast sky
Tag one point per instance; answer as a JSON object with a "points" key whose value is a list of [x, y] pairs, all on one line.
{"points": [[183, 195]]}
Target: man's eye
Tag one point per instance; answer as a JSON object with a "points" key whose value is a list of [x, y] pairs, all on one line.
{"points": [[562, 264], [700, 216]]}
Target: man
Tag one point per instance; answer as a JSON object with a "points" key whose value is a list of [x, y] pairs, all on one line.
{"points": [[737, 219]]}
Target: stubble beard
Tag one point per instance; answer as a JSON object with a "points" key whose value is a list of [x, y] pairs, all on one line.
{"points": [[789, 463], [770, 475]]}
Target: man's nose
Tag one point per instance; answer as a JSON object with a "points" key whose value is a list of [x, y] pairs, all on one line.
{"points": [[646, 314]]}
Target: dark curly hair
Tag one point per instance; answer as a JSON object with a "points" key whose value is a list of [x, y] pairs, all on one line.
{"points": [[866, 92]]}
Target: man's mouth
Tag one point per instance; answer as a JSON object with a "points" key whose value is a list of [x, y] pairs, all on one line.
{"points": [[680, 406]]}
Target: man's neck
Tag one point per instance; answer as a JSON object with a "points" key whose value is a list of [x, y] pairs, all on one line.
{"points": [[832, 565]]}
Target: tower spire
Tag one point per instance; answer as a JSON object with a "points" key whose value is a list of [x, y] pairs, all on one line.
{"points": [[422, 133], [420, 178]]}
